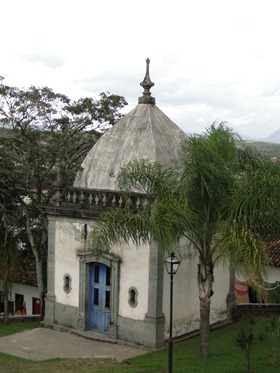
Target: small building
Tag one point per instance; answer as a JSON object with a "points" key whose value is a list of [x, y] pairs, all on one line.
{"points": [[123, 293], [246, 290], [24, 299]]}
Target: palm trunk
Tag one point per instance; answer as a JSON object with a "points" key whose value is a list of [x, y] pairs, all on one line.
{"points": [[204, 327], [205, 282]]}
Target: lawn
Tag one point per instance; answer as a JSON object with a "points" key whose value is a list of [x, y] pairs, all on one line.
{"points": [[17, 327], [226, 356]]}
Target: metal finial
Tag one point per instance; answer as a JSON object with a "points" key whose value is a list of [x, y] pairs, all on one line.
{"points": [[147, 84]]}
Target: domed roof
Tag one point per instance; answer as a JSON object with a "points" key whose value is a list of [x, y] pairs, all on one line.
{"points": [[145, 133]]}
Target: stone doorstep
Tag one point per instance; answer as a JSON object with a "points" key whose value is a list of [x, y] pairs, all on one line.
{"points": [[90, 334]]}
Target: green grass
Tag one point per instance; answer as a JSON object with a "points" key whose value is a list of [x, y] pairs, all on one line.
{"points": [[226, 357], [17, 327]]}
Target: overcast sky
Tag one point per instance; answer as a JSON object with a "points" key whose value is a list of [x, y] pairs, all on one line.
{"points": [[210, 60]]}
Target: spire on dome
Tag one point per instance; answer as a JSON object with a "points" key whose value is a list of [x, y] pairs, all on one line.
{"points": [[147, 84]]}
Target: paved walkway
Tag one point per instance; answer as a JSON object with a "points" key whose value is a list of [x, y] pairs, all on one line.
{"points": [[43, 344]]}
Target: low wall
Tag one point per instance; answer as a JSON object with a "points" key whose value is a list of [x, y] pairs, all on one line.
{"points": [[21, 318], [243, 310]]}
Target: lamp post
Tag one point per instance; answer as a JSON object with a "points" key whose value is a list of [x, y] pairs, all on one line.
{"points": [[172, 264]]}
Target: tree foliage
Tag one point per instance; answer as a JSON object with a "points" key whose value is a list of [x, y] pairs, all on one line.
{"points": [[8, 246]]}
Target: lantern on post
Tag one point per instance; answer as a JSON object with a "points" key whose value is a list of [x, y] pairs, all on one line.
{"points": [[172, 264]]}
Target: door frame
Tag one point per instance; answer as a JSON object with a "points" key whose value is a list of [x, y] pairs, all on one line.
{"points": [[84, 283]]}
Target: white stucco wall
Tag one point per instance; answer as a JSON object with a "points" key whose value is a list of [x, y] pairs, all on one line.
{"points": [[134, 267], [68, 241], [221, 290], [273, 274], [186, 295], [134, 272]]}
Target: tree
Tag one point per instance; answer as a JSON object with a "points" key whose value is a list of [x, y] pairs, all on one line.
{"points": [[46, 132], [195, 202], [8, 257], [8, 246]]}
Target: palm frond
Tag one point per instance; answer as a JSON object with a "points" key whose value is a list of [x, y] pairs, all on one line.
{"points": [[166, 222], [247, 251], [149, 178], [209, 170], [120, 225], [255, 202]]}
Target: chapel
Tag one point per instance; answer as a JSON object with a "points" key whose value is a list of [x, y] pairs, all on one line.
{"points": [[124, 293]]}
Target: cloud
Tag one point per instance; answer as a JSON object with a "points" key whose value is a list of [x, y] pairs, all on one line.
{"points": [[210, 61], [50, 60]]}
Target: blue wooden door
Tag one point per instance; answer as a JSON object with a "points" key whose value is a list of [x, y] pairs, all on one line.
{"points": [[99, 297]]}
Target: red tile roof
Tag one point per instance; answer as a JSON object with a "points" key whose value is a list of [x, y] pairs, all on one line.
{"points": [[26, 271], [273, 247]]}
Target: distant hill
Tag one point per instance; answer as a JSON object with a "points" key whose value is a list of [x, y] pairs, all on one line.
{"points": [[269, 146], [275, 137], [270, 149]]}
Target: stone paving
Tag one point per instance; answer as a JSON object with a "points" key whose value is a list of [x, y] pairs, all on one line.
{"points": [[44, 343]]}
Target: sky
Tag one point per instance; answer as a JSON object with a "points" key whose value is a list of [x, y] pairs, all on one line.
{"points": [[211, 61]]}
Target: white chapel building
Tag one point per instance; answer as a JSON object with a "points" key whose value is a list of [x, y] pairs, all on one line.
{"points": [[123, 293]]}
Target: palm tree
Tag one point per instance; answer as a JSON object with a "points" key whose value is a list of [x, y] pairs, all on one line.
{"points": [[193, 201]]}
